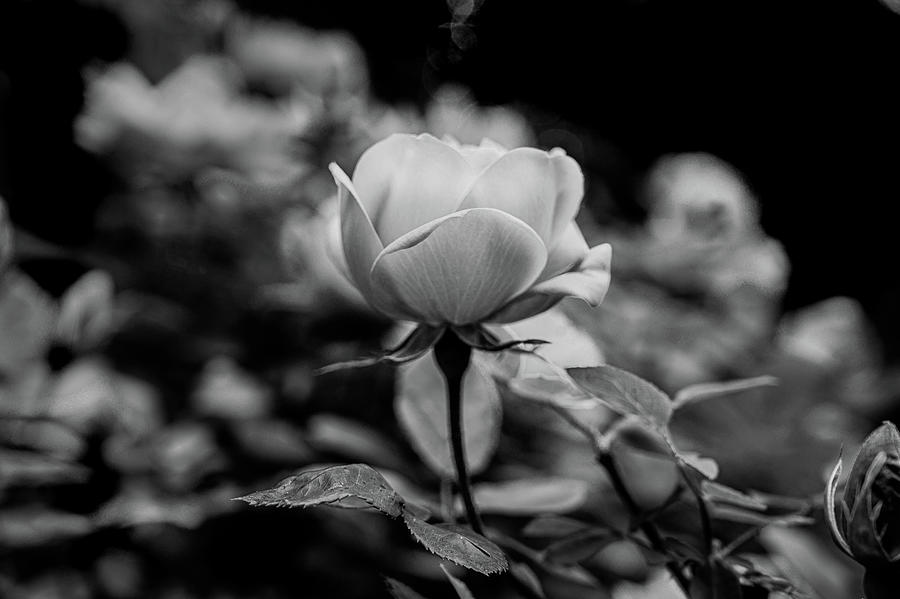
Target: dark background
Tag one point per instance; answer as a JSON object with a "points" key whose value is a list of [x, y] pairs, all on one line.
{"points": [[800, 96]]}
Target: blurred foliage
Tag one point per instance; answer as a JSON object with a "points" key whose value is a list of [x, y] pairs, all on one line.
{"points": [[174, 372]]}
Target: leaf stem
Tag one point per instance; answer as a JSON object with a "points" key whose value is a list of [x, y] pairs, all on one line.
{"points": [[705, 519], [452, 357], [605, 459], [648, 528]]}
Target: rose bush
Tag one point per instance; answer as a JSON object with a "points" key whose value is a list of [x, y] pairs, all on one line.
{"points": [[443, 234]]}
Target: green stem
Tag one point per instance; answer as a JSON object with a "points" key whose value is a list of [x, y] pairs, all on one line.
{"points": [[648, 528], [705, 519], [453, 356]]}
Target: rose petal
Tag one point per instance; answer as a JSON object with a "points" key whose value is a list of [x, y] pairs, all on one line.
{"points": [[481, 157], [406, 181], [570, 190], [569, 251], [360, 242], [589, 282], [521, 183], [462, 267]]}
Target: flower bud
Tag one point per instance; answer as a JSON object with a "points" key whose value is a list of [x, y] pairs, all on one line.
{"points": [[865, 524]]}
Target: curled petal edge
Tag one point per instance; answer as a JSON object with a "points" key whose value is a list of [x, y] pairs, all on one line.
{"points": [[589, 282]]}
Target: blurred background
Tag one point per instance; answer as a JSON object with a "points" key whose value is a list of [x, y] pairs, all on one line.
{"points": [[166, 290]]}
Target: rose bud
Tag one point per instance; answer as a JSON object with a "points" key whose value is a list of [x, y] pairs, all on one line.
{"points": [[865, 524]]}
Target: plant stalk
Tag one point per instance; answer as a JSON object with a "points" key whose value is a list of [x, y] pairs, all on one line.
{"points": [[648, 528], [453, 357]]}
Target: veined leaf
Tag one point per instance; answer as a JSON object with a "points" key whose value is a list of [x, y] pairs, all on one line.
{"points": [[704, 391], [625, 393], [352, 486], [458, 544]]}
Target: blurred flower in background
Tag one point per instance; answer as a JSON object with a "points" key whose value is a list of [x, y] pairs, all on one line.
{"points": [[454, 112], [699, 284], [282, 58], [192, 119]]}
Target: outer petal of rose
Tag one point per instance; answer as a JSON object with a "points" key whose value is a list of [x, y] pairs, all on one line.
{"points": [[360, 243], [481, 157], [589, 282], [406, 181], [569, 191], [521, 183], [460, 268], [569, 251]]}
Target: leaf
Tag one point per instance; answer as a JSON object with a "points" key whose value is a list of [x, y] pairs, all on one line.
{"points": [[272, 440], [421, 407], [745, 516], [458, 544], [44, 436], [337, 486], [831, 509], [86, 310], [718, 493], [139, 503], [704, 391], [27, 319], [883, 440], [398, 590], [33, 526], [225, 390], [478, 337], [29, 469], [415, 499], [352, 440], [625, 393], [413, 347], [553, 527], [527, 578], [708, 467], [531, 496], [84, 395], [580, 546], [462, 591], [549, 389], [570, 345]]}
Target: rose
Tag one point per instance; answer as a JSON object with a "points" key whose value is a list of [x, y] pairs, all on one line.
{"points": [[442, 234], [864, 522]]}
